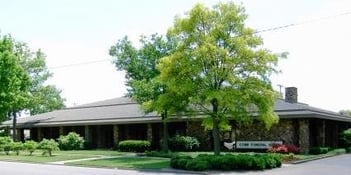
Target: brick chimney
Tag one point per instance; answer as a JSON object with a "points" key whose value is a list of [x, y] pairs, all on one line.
{"points": [[291, 94]]}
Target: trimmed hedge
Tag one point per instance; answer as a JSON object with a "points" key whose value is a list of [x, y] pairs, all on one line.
{"points": [[227, 162], [134, 146], [319, 150]]}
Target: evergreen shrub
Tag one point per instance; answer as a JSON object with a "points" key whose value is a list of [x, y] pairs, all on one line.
{"points": [[71, 141], [134, 146]]}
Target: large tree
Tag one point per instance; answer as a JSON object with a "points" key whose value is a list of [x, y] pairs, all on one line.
{"points": [[14, 82], [23, 77], [139, 65], [44, 97], [221, 67]]}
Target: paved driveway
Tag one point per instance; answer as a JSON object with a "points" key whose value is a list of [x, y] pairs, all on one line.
{"points": [[338, 165]]}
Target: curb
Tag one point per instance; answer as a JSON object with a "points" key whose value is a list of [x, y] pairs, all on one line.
{"points": [[316, 158]]}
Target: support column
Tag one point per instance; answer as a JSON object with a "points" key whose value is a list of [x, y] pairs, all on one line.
{"points": [[20, 134], [32, 134], [304, 135], [61, 131], [115, 135], [126, 131], [39, 135], [87, 134], [100, 136], [149, 132], [322, 133], [336, 134]]}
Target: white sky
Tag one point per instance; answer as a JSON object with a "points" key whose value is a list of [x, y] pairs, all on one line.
{"points": [[71, 32]]}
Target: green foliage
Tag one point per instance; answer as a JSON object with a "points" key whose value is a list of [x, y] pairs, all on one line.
{"points": [[4, 140], [48, 146], [17, 147], [220, 68], [7, 147], [5, 144], [140, 66], [14, 81], [337, 151], [319, 150], [141, 74], [227, 162], [346, 135], [179, 162], [4, 132], [134, 145], [71, 141], [22, 80], [30, 146], [183, 143]]}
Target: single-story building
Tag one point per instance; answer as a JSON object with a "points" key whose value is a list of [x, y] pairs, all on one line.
{"points": [[105, 123]]}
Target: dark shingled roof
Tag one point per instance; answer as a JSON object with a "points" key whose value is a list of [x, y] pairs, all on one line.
{"points": [[124, 110]]}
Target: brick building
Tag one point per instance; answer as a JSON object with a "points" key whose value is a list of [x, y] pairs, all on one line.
{"points": [[105, 123]]}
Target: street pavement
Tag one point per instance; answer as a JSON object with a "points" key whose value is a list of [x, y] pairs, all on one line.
{"points": [[338, 165]]}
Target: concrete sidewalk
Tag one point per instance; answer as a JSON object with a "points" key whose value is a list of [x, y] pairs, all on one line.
{"points": [[78, 160]]}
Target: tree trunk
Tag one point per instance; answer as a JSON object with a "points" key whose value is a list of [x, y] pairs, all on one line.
{"points": [[14, 126], [165, 132], [216, 138], [215, 130], [236, 137]]}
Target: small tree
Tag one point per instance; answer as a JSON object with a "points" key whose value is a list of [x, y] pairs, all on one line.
{"points": [[8, 147], [48, 146], [5, 144], [17, 147], [71, 141], [30, 146]]}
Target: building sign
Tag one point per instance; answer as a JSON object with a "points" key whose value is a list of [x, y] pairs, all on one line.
{"points": [[256, 144]]}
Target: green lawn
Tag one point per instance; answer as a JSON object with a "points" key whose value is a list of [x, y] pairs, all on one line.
{"points": [[127, 162], [37, 157]]}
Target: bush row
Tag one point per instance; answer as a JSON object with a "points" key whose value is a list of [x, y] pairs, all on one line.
{"points": [[7, 145], [134, 145], [71, 141], [227, 162]]}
